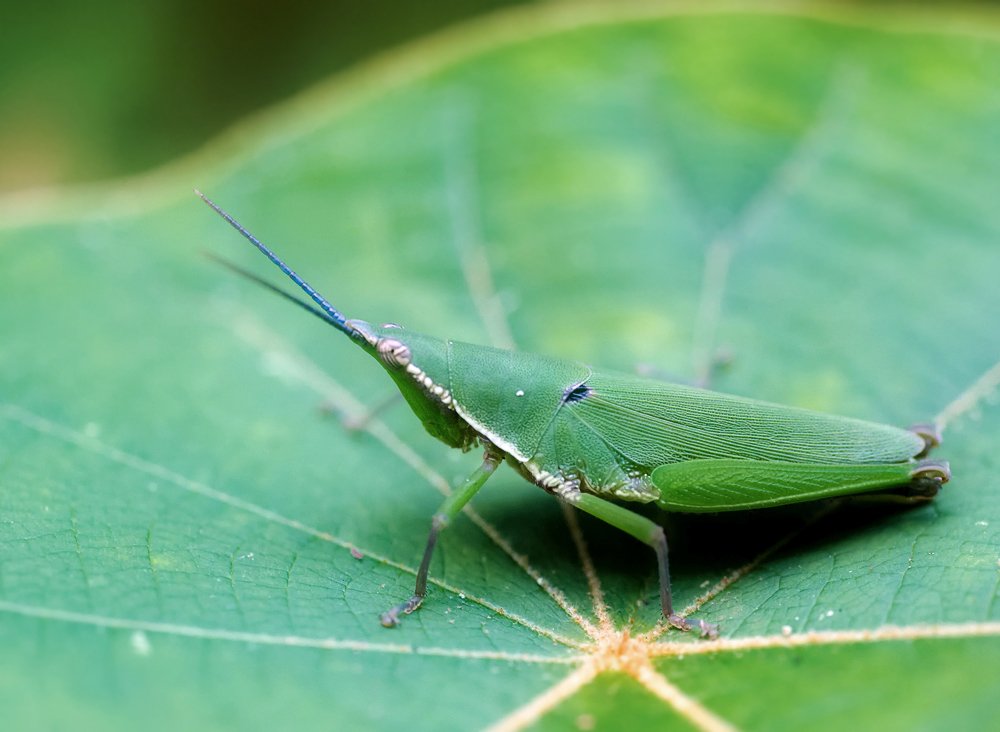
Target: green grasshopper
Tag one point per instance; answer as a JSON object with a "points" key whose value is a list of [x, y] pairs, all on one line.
{"points": [[587, 436]]}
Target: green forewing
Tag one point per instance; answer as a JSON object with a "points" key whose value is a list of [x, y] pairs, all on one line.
{"points": [[653, 423]]}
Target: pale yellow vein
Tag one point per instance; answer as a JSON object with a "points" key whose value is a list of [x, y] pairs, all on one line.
{"points": [[619, 652], [461, 186], [886, 633], [985, 386], [521, 560], [593, 581], [529, 713], [615, 652], [272, 639], [51, 429], [689, 708], [786, 177]]}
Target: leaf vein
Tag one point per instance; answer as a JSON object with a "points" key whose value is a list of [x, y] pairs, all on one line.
{"points": [[51, 429]]}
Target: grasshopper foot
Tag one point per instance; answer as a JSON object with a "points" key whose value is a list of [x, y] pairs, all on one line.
{"points": [[721, 360], [930, 433], [704, 630], [390, 618], [358, 422], [927, 478], [350, 422]]}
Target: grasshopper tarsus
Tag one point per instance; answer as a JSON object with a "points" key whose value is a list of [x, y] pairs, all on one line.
{"points": [[676, 621], [355, 424], [704, 630], [390, 618], [359, 422], [927, 478], [721, 361], [707, 630], [930, 433], [350, 422]]}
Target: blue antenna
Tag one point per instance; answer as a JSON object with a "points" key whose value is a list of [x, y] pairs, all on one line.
{"points": [[330, 313]]}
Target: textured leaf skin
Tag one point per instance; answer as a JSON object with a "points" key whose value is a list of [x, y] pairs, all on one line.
{"points": [[849, 158]]}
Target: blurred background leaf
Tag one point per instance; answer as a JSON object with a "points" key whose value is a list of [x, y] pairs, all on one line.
{"points": [[815, 191], [112, 87]]}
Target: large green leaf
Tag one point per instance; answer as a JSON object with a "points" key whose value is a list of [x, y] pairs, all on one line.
{"points": [[816, 193]]}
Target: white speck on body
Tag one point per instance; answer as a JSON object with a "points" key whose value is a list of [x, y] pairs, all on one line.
{"points": [[519, 392], [982, 523], [786, 630], [828, 614], [140, 643]]}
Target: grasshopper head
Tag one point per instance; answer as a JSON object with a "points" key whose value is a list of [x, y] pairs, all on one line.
{"points": [[419, 365]]}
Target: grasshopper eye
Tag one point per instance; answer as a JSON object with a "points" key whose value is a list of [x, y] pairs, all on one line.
{"points": [[393, 352]]}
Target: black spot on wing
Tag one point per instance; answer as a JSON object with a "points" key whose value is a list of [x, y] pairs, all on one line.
{"points": [[576, 393]]}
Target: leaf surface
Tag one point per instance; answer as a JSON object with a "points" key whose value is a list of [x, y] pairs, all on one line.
{"points": [[815, 193]]}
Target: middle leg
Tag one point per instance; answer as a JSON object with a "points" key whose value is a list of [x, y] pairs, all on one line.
{"points": [[649, 533]]}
